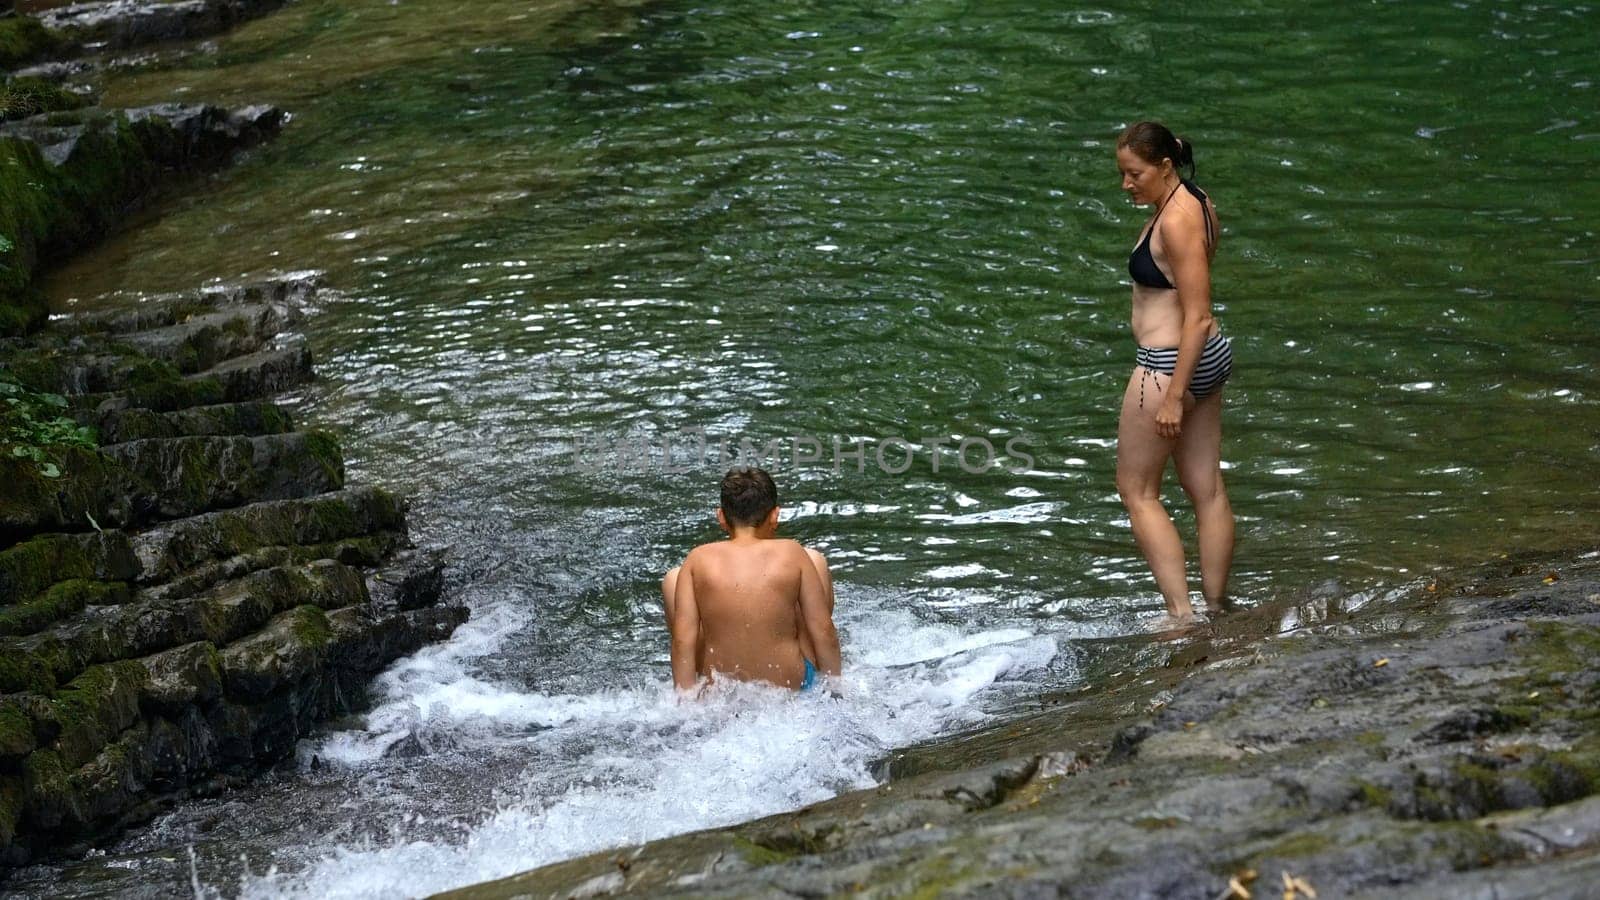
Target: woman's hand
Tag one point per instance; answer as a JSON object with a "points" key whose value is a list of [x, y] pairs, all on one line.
{"points": [[1169, 417]]}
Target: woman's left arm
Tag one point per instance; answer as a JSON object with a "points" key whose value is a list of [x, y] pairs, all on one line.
{"points": [[1184, 242]]}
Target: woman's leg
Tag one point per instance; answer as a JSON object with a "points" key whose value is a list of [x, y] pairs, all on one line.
{"points": [[1142, 456], [1199, 460]]}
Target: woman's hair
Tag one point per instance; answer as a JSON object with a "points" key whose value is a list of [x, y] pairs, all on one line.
{"points": [[747, 496], [1154, 142]]}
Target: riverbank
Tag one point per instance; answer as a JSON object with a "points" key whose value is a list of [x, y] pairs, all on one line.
{"points": [[186, 594], [1439, 746], [187, 583]]}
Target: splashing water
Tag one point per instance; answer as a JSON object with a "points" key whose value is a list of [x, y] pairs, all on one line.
{"points": [[624, 765]]}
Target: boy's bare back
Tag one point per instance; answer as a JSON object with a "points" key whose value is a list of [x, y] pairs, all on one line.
{"points": [[748, 600]]}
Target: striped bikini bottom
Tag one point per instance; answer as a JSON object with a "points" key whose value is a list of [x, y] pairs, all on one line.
{"points": [[1210, 373]]}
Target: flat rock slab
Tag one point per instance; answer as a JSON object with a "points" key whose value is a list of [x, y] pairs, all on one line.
{"points": [[1459, 757], [120, 24]]}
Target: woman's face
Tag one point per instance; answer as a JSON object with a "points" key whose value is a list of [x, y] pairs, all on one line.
{"points": [[1144, 181]]}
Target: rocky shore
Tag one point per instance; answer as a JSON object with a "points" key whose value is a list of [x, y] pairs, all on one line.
{"points": [[187, 584], [179, 604], [1444, 745]]}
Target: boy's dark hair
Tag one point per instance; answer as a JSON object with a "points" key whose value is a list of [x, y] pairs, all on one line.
{"points": [[747, 496]]}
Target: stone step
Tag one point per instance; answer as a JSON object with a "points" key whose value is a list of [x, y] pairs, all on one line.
{"points": [[263, 373], [204, 340], [32, 567], [193, 475], [143, 481], [290, 294], [119, 24], [170, 551], [37, 663], [253, 417], [102, 384]]}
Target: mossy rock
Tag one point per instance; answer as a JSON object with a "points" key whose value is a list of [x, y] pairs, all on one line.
{"points": [[169, 550], [196, 474], [31, 567], [22, 671], [104, 164], [182, 677], [24, 97], [59, 602], [11, 794], [48, 802], [24, 39], [291, 650], [17, 737], [115, 780], [95, 707], [92, 490], [249, 418]]}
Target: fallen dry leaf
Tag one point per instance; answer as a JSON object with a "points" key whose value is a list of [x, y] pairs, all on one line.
{"points": [[1295, 887], [1381, 663], [1552, 578]]}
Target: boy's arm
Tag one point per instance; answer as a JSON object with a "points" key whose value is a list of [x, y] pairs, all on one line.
{"points": [[815, 610], [685, 629]]}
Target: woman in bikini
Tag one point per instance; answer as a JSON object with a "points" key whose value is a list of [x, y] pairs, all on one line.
{"points": [[1172, 407]]}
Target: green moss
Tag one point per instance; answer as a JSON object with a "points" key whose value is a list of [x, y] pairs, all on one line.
{"points": [[16, 730], [43, 774], [1373, 795], [330, 520], [29, 568], [1554, 649], [24, 97], [1370, 738], [50, 211], [325, 450], [758, 854], [1298, 845], [94, 708], [11, 794], [1564, 776], [24, 672], [23, 39], [357, 551], [197, 474], [310, 626], [59, 602]]}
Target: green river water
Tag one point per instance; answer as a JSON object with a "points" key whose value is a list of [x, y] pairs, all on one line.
{"points": [[549, 222]]}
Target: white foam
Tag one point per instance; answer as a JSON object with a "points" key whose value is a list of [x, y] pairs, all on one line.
{"points": [[623, 766]]}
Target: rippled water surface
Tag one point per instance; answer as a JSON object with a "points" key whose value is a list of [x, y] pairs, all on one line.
{"points": [[551, 223]]}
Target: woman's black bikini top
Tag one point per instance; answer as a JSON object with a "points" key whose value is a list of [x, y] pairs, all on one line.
{"points": [[1142, 264]]}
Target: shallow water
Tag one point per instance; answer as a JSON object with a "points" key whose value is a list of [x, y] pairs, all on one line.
{"points": [[545, 224]]}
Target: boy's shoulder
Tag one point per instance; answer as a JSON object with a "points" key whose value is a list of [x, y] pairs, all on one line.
{"points": [[712, 550]]}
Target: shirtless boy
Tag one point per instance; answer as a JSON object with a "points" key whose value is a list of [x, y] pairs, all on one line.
{"points": [[754, 607]]}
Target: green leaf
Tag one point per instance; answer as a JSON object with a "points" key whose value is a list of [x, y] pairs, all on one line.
{"points": [[19, 451], [50, 470]]}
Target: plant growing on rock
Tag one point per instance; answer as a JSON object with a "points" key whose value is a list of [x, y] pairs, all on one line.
{"points": [[31, 424]]}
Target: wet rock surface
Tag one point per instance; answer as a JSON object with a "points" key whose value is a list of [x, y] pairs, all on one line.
{"points": [[77, 40], [71, 177], [1446, 745], [183, 602], [120, 24]]}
